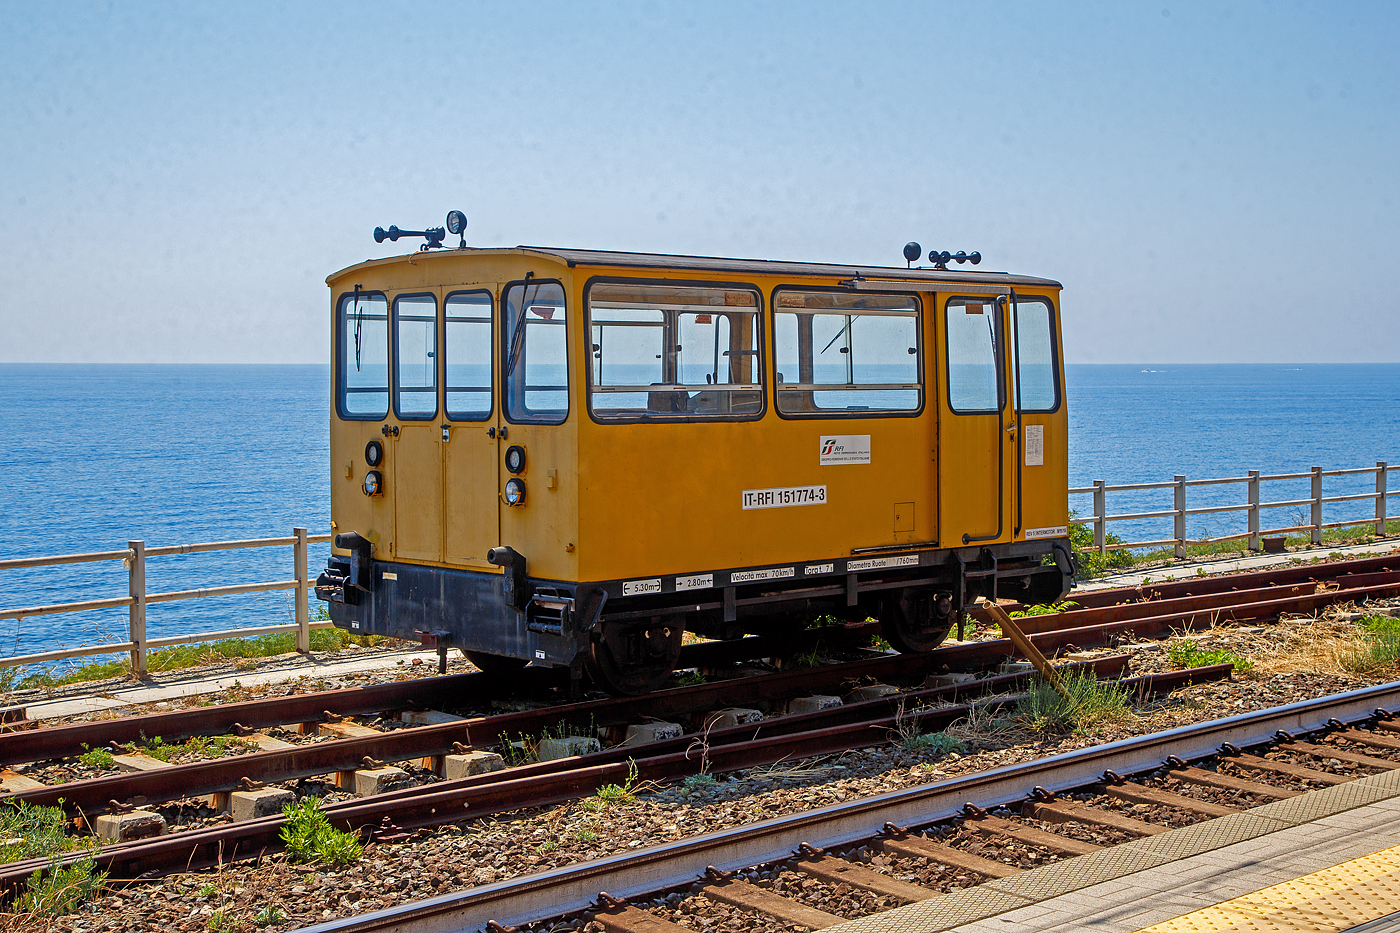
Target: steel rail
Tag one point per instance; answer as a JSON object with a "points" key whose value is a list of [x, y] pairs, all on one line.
{"points": [[199, 778], [677, 864], [469, 798], [1326, 571], [452, 692]]}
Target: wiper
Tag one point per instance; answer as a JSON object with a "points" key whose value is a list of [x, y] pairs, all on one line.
{"points": [[849, 322], [517, 340], [359, 323]]}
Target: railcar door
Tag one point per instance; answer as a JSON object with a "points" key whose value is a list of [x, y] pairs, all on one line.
{"points": [[417, 489], [1042, 468], [977, 437], [469, 429]]}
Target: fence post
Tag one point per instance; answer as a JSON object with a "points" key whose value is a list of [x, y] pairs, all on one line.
{"points": [[1100, 515], [303, 610], [1380, 498], [1180, 506], [1317, 505], [136, 586], [1254, 543]]}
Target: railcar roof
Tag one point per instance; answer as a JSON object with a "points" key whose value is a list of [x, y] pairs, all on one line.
{"points": [[598, 257]]}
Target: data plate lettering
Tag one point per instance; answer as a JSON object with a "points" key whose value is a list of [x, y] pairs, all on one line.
{"points": [[880, 563], [751, 576], [1059, 531], [784, 497], [641, 587], [699, 581], [813, 569]]}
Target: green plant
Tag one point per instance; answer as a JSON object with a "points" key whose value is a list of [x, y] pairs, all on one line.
{"points": [[97, 758], [880, 644], [1190, 654], [309, 836], [521, 751], [62, 889], [1091, 562], [207, 889], [544, 848], [585, 835], [692, 679], [1044, 609], [808, 659], [28, 831], [610, 794], [700, 782], [269, 915], [219, 921], [940, 742], [1379, 648], [1085, 703]]}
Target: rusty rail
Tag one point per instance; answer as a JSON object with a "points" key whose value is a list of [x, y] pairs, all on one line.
{"points": [[137, 598]]}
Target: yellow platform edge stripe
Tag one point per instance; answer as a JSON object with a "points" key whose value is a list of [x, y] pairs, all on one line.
{"points": [[1325, 901]]}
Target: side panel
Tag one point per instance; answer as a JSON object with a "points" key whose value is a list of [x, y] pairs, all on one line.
{"points": [[1044, 508]]}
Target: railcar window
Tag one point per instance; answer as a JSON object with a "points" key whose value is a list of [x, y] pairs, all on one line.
{"points": [[415, 357], [467, 355], [363, 380], [1036, 381], [536, 354], [673, 352], [974, 355], [846, 353]]}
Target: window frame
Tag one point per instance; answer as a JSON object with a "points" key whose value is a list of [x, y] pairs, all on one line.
{"points": [[760, 352], [394, 382], [836, 414], [1054, 354], [491, 341], [339, 360], [504, 349], [1001, 355]]}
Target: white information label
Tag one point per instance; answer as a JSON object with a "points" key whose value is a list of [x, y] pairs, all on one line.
{"points": [[389, 575], [844, 448], [699, 581], [1035, 445], [539, 654], [784, 496], [641, 587], [750, 576], [880, 563], [812, 569], [1059, 531]]}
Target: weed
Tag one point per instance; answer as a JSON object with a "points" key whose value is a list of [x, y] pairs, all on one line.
{"points": [[208, 889], [939, 742], [880, 644], [219, 921], [692, 679], [700, 782], [1044, 610], [521, 751], [1379, 649], [269, 915], [808, 659], [1091, 562], [62, 889], [1190, 654], [544, 848], [309, 836], [97, 758], [585, 835], [32, 832], [610, 794], [1089, 703], [215, 746]]}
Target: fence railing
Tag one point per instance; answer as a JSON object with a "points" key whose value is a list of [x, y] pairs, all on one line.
{"points": [[137, 599], [1255, 506]]}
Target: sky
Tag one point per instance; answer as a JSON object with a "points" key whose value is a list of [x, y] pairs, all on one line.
{"points": [[177, 180]]}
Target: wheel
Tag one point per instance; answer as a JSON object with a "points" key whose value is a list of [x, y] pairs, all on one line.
{"points": [[633, 659], [495, 663], [916, 621]]}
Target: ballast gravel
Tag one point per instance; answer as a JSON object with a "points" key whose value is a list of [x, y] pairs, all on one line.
{"points": [[276, 895]]}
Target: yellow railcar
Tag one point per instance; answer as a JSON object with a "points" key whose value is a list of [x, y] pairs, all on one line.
{"points": [[572, 457]]}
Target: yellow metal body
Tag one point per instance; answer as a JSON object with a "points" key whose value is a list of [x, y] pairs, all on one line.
{"points": [[609, 501]]}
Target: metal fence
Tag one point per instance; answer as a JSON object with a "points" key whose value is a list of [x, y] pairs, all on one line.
{"points": [[137, 599], [1255, 507]]}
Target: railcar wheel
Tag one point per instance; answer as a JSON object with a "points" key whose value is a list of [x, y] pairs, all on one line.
{"points": [[914, 622], [632, 659], [495, 663]]}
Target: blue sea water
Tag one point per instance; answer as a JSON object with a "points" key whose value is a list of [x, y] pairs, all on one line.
{"points": [[99, 455]]}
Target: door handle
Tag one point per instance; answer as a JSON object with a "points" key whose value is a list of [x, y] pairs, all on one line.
{"points": [[1011, 429]]}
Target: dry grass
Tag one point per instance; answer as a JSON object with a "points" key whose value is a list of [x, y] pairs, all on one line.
{"points": [[1310, 645]]}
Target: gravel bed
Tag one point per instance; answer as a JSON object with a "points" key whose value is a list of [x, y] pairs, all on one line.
{"points": [[285, 896]]}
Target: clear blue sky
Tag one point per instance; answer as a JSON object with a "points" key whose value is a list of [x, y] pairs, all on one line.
{"points": [[1212, 182]]}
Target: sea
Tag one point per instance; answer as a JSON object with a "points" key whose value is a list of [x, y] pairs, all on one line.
{"points": [[100, 455]]}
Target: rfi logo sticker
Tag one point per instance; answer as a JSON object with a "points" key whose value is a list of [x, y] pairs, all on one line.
{"points": [[844, 448]]}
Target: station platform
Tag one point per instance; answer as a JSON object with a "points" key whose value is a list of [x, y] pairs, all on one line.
{"points": [[1323, 862]]}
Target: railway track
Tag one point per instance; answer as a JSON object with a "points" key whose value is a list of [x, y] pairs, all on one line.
{"points": [[853, 725], [874, 845]]}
